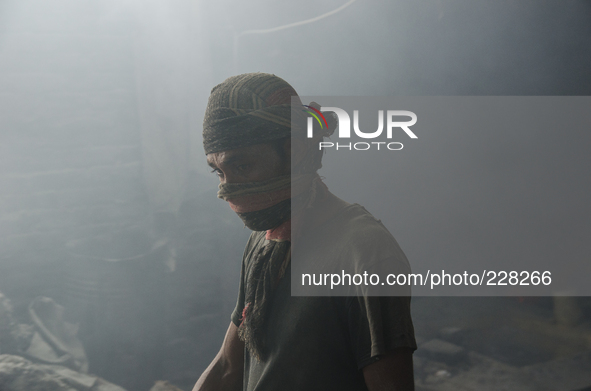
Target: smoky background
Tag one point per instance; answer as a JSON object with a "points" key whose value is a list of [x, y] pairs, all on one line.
{"points": [[106, 203]]}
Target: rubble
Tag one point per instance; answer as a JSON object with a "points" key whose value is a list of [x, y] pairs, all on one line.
{"points": [[20, 374], [443, 351], [497, 344], [569, 374], [164, 386], [54, 341], [28, 353], [14, 337]]}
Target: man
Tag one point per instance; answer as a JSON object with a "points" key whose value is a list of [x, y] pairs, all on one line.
{"points": [[267, 173]]}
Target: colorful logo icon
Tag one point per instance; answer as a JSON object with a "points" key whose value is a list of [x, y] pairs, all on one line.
{"points": [[316, 116]]}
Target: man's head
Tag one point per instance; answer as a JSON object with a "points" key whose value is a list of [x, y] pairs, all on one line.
{"points": [[256, 108], [250, 144], [247, 109]]}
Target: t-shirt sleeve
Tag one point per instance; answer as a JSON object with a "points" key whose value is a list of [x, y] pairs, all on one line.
{"points": [[236, 316], [378, 324]]}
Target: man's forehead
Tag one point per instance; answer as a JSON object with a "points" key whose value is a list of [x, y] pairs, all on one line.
{"points": [[256, 151], [232, 155], [224, 157]]}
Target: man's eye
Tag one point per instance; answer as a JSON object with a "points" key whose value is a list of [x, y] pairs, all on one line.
{"points": [[217, 172]]}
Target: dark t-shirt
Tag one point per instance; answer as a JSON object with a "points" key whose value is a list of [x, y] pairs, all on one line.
{"points": [[321, 343]]}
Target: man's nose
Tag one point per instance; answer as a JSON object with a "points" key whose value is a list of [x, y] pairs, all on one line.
{"points": [[229, 178]]}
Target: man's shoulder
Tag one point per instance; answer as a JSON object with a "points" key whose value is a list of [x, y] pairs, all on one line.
{"points": [[354, 225], [353, 234], [358, 238]]}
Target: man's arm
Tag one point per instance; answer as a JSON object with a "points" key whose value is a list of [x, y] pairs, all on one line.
{"points": [[226, 370], [392, 372]]}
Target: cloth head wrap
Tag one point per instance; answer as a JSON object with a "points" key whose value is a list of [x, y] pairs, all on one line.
{"points": [[256, 108], [247, 109]]}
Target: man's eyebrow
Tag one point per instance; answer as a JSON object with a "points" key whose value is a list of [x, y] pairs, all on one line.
{"points": [[229, 160]]}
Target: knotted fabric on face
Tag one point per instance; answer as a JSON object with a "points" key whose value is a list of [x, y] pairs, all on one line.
{"points": [[266, 205]]}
